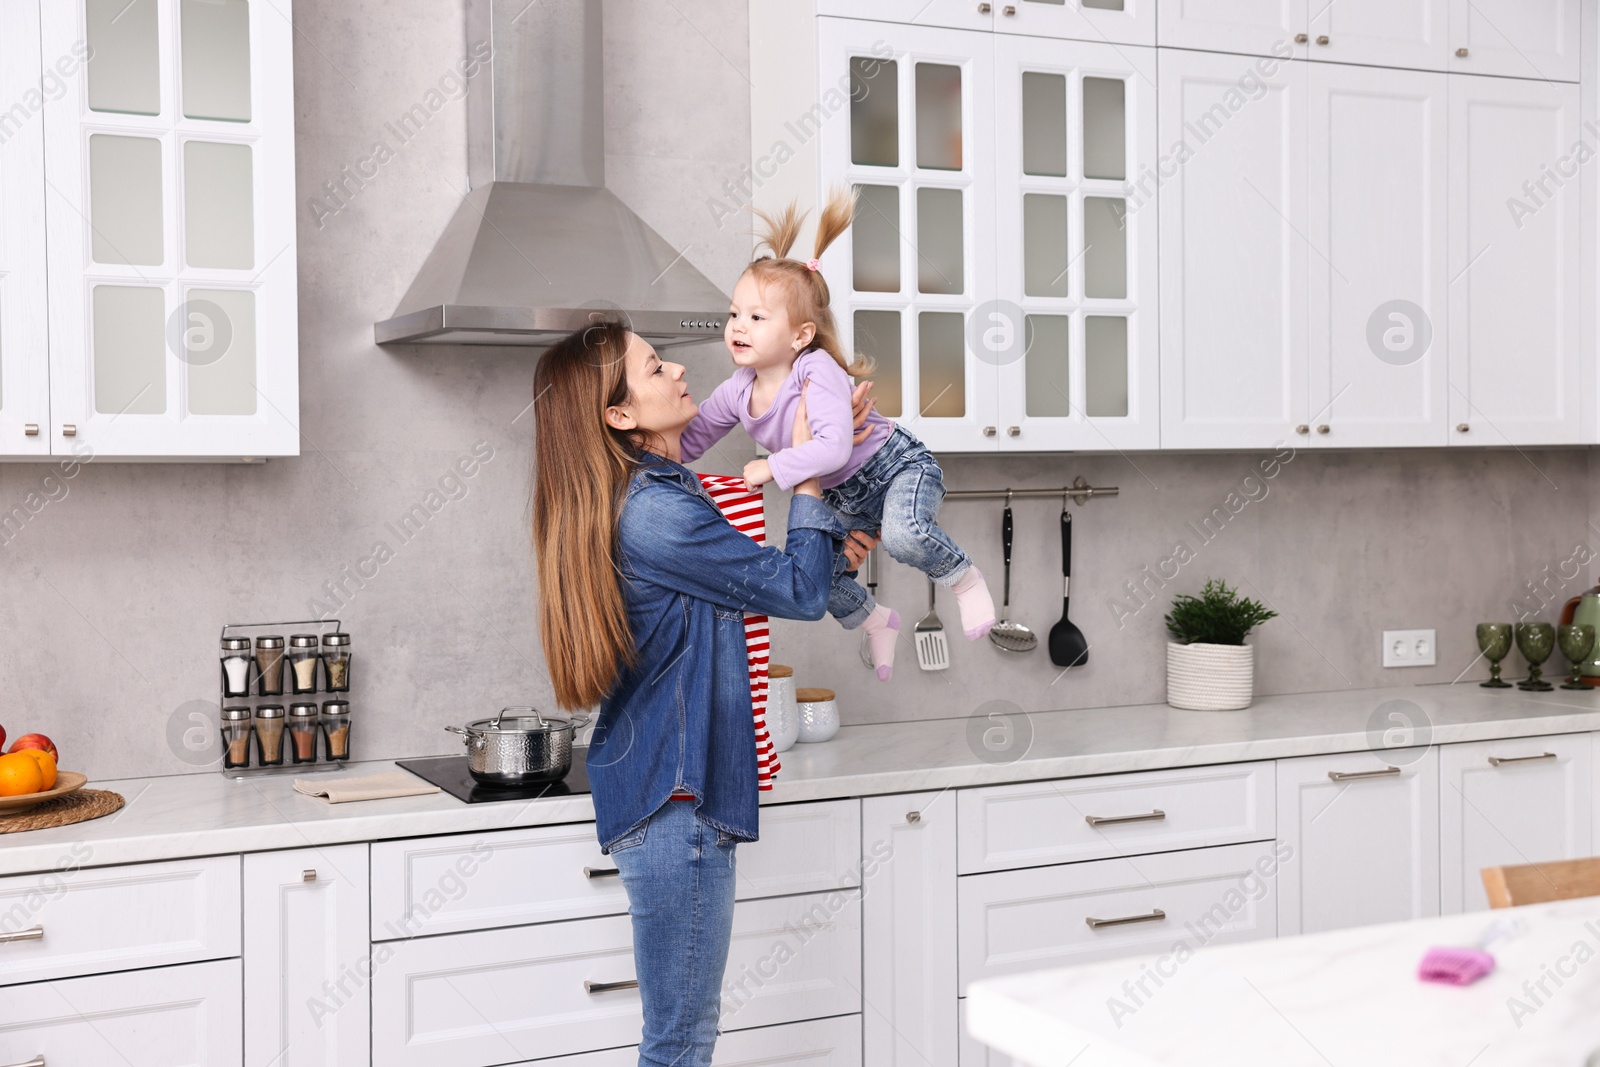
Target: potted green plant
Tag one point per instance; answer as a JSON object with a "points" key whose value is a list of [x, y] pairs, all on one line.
{"points": [[1209, 667]]}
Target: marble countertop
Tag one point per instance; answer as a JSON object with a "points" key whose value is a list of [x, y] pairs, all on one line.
{"points": [[1344, 997], [206, 814]]}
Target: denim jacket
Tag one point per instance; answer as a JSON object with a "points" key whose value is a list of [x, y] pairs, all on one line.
{"points": [[680, 718]]}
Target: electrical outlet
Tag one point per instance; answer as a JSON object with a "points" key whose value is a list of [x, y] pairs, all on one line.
{"points": [[1409, 648]]}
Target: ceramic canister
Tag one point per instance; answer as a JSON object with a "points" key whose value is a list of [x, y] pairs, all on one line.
{"points": [[819, 714], [783, 713]]}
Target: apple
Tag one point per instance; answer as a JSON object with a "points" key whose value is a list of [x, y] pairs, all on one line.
{"points": [[39, 741]]}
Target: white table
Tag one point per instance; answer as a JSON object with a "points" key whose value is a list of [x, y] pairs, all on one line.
{"points": [[1349, 998]]}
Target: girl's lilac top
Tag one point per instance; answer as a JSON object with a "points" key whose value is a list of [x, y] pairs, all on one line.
{"points": [[829, 455]]}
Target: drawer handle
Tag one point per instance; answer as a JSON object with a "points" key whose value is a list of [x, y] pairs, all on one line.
{"points": [[913, 816], [1495, 761], [33, 934], [1127, 920], [1103, 820], [1345, 776], [308, 875], [37, 1061], [606, 987], [600, 872]]}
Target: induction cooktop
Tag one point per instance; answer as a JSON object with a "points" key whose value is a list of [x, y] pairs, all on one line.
{"points": [[450, 774]]}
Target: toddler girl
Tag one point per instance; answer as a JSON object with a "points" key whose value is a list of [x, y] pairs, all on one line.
{"points": [[782, 337]]}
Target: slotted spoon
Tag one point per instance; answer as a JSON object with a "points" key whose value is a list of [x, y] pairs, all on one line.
{"points": [[1008, 635]]}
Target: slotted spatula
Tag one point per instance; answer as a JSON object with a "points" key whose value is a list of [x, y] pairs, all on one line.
{"points": [[933, 652]]}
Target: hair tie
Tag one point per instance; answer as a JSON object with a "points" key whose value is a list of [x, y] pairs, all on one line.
{"points": [[813, 264]]}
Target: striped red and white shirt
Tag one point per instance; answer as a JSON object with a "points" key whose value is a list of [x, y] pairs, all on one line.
{"points": [[744, 510]]}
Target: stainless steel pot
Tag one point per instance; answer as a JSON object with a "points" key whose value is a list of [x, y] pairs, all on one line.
{"points": [[520, 746]]}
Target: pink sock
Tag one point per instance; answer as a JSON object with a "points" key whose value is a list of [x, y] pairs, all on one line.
{"points": [[977, 606], [883, 630]]}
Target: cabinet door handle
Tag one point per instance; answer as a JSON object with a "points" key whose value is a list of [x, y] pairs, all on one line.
{"points": [[1322, 39], [1105, 820], [69, 429], [1302, 428], [984, 9], [988, 431], [1346, 776], [600, 872], [31, 430], [1462, 427], [1323, 427], [606, 987], [1008, 10], [1496, 761], [1461, 53], [1301, 38], [308, 875], [37, 1061], [35, 933], [913, 816], [1013, 431], [1155, 916]]}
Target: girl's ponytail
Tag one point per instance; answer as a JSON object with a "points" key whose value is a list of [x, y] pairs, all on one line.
{"points": [[836, 217]]}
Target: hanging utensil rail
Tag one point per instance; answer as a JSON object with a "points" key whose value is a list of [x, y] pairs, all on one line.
{"points": [[1079, 491]]}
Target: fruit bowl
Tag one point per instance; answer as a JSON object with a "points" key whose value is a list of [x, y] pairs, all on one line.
{"points": [[66, 782]]}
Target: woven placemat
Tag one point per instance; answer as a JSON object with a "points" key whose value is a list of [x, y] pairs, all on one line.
{"points": [[81, 806]]}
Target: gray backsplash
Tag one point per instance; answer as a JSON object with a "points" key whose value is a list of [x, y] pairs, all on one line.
{"points": [[115, 589]]}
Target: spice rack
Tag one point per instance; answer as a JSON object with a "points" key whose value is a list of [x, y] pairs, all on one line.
{"points": [[305, 724]]}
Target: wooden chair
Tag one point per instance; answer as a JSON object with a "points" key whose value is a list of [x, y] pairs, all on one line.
{"points": [[1536, 883]]}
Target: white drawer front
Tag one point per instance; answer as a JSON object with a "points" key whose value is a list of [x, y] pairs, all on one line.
{"points": [[117, 918], [439, 885], [1016, 921], [496, 996], [834, 1042], [170, 1017], [1033, 824]]}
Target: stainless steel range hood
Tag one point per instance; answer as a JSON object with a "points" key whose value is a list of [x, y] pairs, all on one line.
{"points": [[539, 247]]}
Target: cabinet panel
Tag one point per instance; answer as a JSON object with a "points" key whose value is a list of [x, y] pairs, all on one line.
{"points": [[168, 1017], [1376, 141], [1254, 27], [24, 336], [834, 1042], [172, 268], [1364, 849], [1018, 921], [1535, 39], [1382, 33], [1233, 256], [908, 916], [117, 918], [1074, 321], [1512, 802], [307, 958], [957, 14], [1117, 21], [1033, 824], [495, 996], [1514, 266]]}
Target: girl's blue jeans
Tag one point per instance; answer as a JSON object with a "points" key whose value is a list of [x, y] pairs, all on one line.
{"points": [[679, 874], [897, 494]]}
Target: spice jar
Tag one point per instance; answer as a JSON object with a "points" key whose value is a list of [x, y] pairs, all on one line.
{"points": [[303, 732], [783, 714], [269, 665], [236, 737], [303, 663], [269, 735], [236, 667], [336, 729], [336, 662]]}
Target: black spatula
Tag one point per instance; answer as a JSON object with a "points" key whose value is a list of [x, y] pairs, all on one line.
{"points": [[1068, 648]]}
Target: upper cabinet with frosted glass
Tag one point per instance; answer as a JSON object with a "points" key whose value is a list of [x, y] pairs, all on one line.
{"points": [[998, 272], [169, 167]]}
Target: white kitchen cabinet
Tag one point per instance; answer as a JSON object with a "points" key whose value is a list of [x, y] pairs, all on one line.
{"points": [[1377, 300], [1362, 837], [1075, 253], [1114, 21], [307, 963], [1514, 262], [167, 1017], [24, 333], [1251, 27], [832, 1042], [171, 229], [1537, 39], [955, 14], [1233, 212], [1381, 33], [908, 920], [1505, 803], [1017, 921]]}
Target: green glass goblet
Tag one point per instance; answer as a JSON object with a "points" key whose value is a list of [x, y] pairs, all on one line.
{"points": [[1576, 641], [1494, 641], [1535, 640]]}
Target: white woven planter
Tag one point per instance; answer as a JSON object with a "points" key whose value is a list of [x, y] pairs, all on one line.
{"points": [[1203, 677]]}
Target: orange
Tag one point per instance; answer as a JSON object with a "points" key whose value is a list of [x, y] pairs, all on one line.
{"points": [[20, 775], [47, 765]]}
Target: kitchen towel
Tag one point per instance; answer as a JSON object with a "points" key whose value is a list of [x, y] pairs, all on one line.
{"points": [[743, 509], [396, 783]]}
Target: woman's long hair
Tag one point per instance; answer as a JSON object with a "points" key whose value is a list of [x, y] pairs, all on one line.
{"points": [[806, 295], [581, 467]]}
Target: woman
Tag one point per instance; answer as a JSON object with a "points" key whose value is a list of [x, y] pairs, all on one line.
{"points": [[642, 587]]}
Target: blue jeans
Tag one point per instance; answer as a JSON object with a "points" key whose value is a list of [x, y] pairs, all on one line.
{"points": [[896, 493], [679, 874]]}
